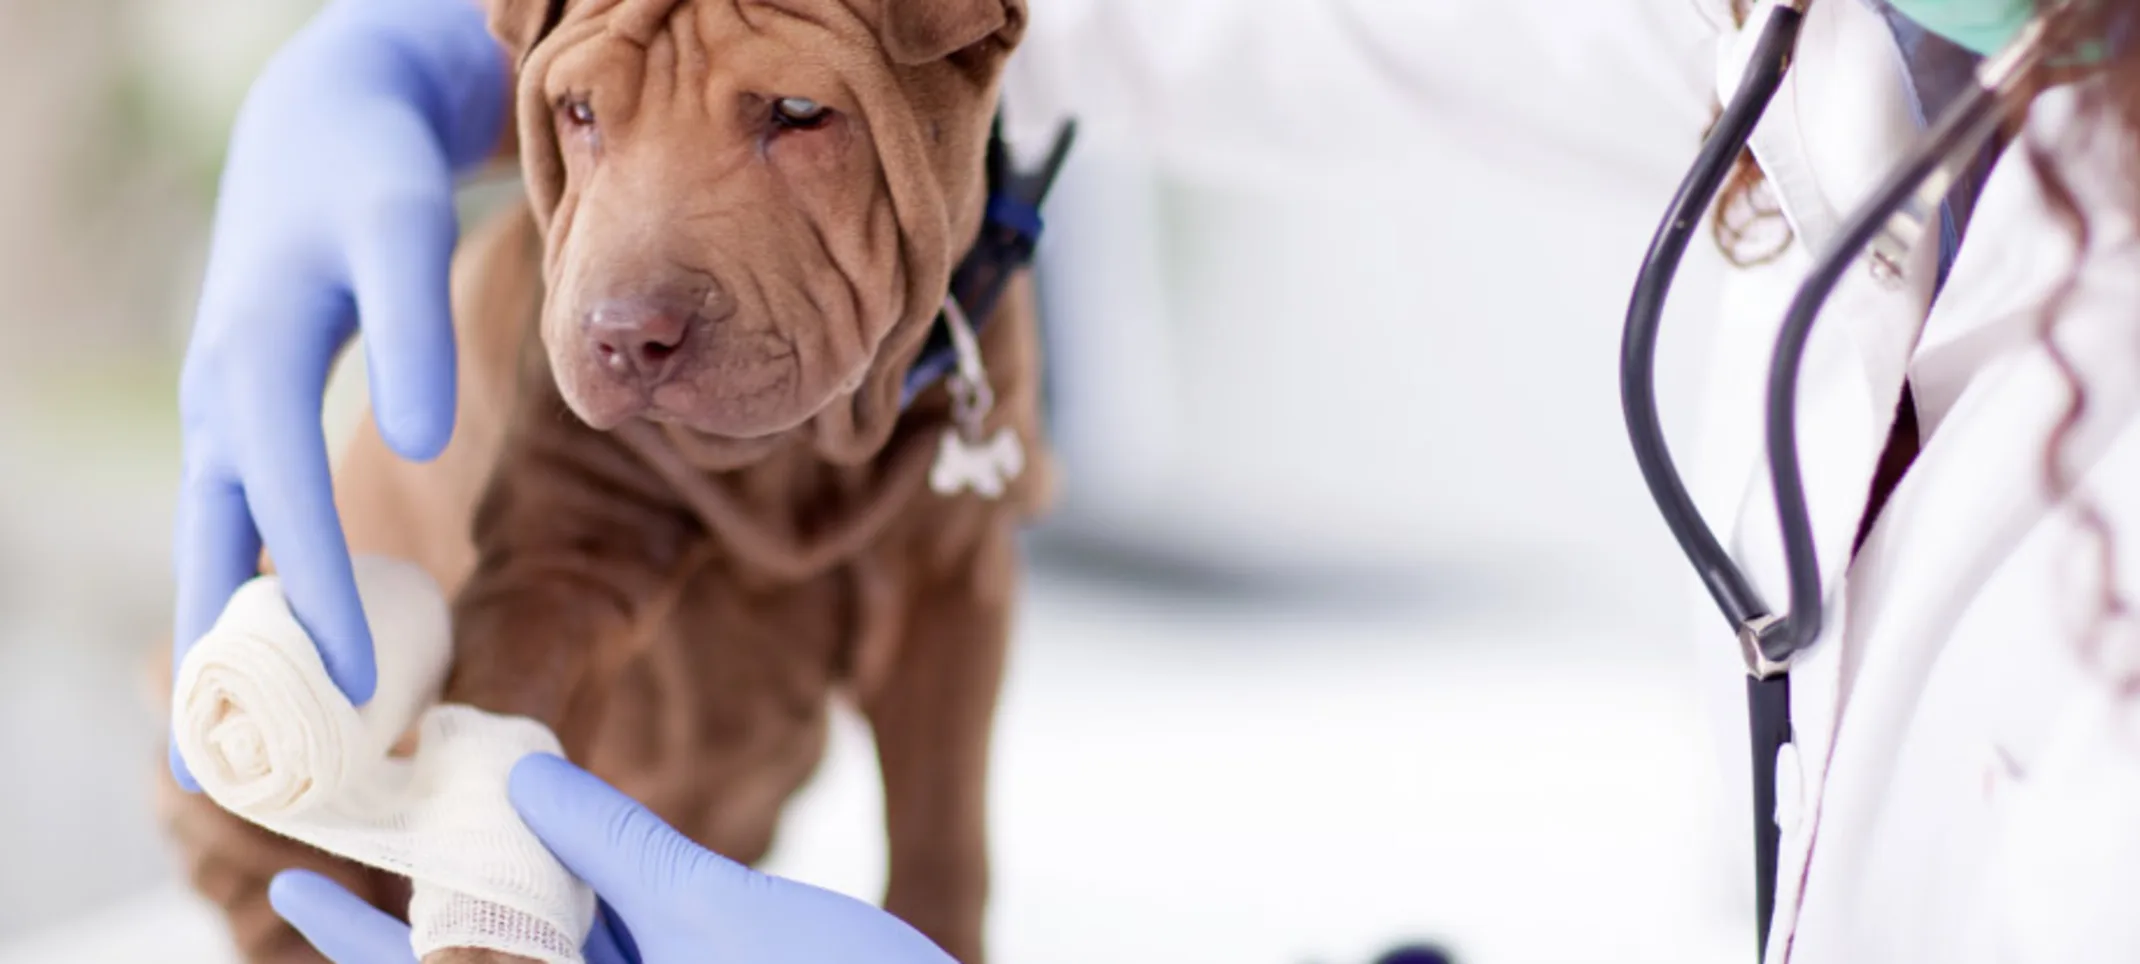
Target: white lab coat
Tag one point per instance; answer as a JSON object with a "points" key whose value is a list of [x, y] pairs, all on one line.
{"points": [[1965, 785]]}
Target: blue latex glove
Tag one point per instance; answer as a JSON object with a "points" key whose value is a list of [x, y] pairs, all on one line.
{"points": [[336, 207], [665, 899], [1982, 26], [349, 931]]}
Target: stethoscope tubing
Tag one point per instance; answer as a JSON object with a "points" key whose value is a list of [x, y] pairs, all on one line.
{"points": [[1879, 222], [1733, 593], [1959, 132], [1889, 222]]}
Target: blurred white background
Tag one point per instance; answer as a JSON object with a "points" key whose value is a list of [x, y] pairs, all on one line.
{"points": [[1356, 625]]}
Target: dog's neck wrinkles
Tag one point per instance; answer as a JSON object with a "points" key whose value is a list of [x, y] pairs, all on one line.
{"points": [[763, 529]]}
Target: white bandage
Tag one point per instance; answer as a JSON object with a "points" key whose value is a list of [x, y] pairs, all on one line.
{"points": [[271, 739]]}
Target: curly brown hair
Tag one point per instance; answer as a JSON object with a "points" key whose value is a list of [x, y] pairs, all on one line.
{"points": [[2107, 99], [1745, 211]]}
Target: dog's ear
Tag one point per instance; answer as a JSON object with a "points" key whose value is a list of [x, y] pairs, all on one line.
{"points": [[520, 24], [926, 31]]}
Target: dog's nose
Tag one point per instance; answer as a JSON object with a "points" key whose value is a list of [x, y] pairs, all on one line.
{"points": [[639, 338]]}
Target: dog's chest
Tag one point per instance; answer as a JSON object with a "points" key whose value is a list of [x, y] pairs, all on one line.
{"points": [[732, 677]]}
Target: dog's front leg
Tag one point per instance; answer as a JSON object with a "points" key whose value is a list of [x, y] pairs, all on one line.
{"points": [[571, 548], [568, 561], [932, 714]]}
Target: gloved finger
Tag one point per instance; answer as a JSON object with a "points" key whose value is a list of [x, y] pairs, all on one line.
{"points": [[336, 923], [621, 849], [217, 550], [400, 263], [611, 942], [287, 486]]}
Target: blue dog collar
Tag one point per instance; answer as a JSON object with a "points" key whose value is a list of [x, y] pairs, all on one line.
{"points": [[1010, 232]]}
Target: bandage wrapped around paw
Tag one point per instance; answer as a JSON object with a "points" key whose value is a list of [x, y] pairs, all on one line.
{"points": [[273, 740]]}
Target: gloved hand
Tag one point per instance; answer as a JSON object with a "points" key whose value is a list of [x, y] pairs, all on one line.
{"points": [[349, 931], [336, 209], [1983, 26], [665, 899]]}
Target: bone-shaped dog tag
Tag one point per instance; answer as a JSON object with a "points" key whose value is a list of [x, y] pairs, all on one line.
{"points": [[986, 470]]}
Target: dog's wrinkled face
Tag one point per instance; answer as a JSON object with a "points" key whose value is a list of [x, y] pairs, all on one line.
{"points": [[745, 202]]}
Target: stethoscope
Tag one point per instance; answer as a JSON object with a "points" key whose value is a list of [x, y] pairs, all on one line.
{"points": [[1889, 223]]}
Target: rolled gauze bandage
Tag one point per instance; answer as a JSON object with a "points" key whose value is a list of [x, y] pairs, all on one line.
{"points": [[271, 738]]}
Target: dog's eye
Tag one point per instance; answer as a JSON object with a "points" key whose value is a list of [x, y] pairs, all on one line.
{"points": [[800, 113], [577, 111]]}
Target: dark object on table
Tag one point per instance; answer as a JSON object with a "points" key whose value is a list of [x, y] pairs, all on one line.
{"points": [[1417, 954]]}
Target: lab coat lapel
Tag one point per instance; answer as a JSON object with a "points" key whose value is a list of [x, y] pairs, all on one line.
{"points": [[1841, 120], [1992, 393], [1971, 539], [1976, 491], [1974, 495], [1839, 124]]}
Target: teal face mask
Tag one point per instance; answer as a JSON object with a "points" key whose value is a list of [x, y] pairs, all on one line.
{"points": [[1982, 26]]}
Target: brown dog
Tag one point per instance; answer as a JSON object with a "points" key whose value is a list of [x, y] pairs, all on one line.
{"points": [[684, 506]]}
